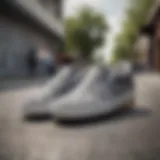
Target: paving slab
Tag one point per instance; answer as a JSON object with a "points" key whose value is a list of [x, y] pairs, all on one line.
{"points": [[126, 136]]}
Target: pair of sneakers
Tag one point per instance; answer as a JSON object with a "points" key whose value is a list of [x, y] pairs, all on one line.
{"points": [[92, 93]]}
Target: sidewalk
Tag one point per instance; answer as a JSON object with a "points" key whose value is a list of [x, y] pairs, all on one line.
{"points": [[131, 136], [148, 88]]}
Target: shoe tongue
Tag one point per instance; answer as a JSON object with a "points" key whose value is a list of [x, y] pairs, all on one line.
{"points": [[94, 76]]}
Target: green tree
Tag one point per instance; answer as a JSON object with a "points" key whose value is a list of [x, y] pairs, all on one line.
{"points": [[85, 32], [136, 16]]}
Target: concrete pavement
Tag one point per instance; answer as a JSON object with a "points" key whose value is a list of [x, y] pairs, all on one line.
{"points": [[132, 135]]}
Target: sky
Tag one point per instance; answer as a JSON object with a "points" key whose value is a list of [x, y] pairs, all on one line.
{"points": [[113, 10]]}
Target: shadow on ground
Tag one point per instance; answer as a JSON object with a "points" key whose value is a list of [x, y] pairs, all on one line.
{"points": [[37, 118], [122, 114]]}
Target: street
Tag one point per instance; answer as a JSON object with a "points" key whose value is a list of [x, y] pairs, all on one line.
{"points": [[133, 135]]}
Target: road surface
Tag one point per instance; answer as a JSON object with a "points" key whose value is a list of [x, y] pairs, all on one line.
{"points": [[133, 135]]}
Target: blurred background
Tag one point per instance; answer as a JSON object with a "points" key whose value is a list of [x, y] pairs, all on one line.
{"points": [[39, 37]]}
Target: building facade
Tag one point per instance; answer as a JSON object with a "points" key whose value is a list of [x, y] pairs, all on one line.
{"points": [[152, 32], [27, 25]]}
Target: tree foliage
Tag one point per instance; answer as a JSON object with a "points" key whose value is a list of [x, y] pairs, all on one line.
{"points": [[85, 32], [136, 16]]}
